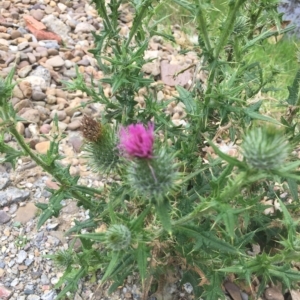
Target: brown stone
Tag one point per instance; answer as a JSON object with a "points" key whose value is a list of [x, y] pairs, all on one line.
{"points": [[26, 89], [26, 213], [22, 104], [42, 147], [31, 116], [170, 74]]}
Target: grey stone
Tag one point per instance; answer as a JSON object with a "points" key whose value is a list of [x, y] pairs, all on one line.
{"points": [[28, 291], [33, 297], [84, 27], [45, 279], [43, 73], [37, 82], [22, 255], [52, 226], [14, 282], [28, 262], [35, 275], [50, 295], [244, 296], [38, 95], [11, 263], [291, 11], [13, 208], [70, 73], [4, 217], [49, 44], [57, 26], [13, 195], [4, 182]]}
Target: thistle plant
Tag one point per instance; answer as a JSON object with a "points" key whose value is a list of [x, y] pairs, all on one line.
{"points": [[173, 190]]}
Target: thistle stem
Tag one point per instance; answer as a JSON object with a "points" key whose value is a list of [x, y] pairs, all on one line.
{"points": [[203, 26], [137, 21], [229, 23]]}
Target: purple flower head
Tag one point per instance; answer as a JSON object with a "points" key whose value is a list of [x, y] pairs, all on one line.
{"points": [[137, 141]]}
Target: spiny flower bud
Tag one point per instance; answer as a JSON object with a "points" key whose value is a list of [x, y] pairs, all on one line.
{"points": [[100, 145], [265, 149], [153, 179], [118, 237], [91, 129]]}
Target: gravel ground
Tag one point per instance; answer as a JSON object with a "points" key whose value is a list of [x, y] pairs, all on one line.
{"points": [[42, 63]]}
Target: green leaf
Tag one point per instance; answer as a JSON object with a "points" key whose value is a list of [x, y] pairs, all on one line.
{"points": [[293, 97], [229, 220], [207, 240], [81, 225], [221, 181], [137, 224], [99, 237], [293, 186], [186, 97], [42, 206], [142, 255], [258, 116], [116, 256], [47, 214], [162, 210], [53, 208], [287, 218], [11, 154], [214, 290], [285, 273], [72, 281]]}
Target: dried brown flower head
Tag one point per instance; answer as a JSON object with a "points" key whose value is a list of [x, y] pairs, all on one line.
{"points": [[91, 129]]}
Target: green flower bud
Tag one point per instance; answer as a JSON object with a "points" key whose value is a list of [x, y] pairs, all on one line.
{"points": [[265, 149], [118, 237], [153, 178]]}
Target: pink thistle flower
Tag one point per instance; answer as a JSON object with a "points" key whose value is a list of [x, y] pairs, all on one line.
{"points": [[137, 141]]}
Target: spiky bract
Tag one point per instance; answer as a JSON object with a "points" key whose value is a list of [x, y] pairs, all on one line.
{"points": [[265, 148], [154, 178], [102, 153], [118, 237]]}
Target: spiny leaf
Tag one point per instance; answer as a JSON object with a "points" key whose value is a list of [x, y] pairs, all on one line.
{"points": [[112, 265], [99, 237], [186, 97], [293, 188], [142, 255], [162, 210], [293, 97], [72, 281], [207, 240]]}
